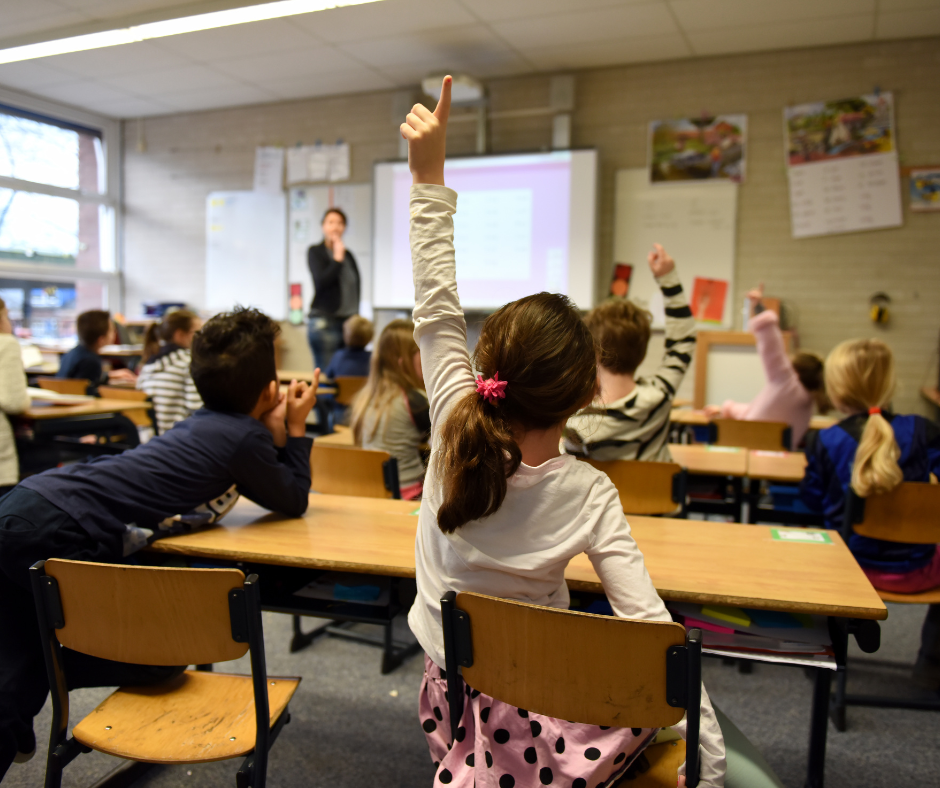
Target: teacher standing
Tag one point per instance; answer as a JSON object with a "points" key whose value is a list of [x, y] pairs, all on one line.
{"points": [[336, 289]]}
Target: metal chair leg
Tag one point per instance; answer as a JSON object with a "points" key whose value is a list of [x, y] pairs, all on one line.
{"points": [[837, 704]]}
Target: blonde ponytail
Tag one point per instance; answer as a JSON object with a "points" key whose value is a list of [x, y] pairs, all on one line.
{"points": [[860, 377], [876, 468]]}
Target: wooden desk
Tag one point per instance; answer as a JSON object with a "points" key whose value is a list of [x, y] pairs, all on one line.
{"points": [[342, 437], [697, 418], [700, 459], [92, 407], [776, 466], [111, 351], [287, 375], [688, 560]]}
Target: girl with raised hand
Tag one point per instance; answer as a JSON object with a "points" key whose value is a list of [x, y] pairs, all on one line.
{"points": [[503, 511]]}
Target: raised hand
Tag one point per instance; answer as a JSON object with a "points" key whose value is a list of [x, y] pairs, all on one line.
{"points": [[755, 295], [300, 400], [660, 262], [426, 133]]}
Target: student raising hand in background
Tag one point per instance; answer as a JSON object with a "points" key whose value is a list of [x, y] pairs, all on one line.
{"points": [[660, 262]]}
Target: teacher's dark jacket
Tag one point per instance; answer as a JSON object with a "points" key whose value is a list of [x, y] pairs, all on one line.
{"points": [[326, 272]]}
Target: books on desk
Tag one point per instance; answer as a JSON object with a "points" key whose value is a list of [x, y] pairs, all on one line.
{"points": [[47, 396], [769, 636]]}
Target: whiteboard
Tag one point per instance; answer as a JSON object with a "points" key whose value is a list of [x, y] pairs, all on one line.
{"points": [[695, 223], [246, 252], [307, 206]]}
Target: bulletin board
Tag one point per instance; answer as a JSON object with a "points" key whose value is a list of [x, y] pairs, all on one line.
{"points": [[695, 222]]}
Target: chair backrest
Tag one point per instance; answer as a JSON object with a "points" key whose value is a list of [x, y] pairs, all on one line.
{"points": [[147, 615], [63, 385], [349, 387], [349, 470], [755, 435], [141, 418], [909, 513], [599, 670], [646, 487]]}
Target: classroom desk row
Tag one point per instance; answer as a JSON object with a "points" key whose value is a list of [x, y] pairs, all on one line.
{"points": [[688, 561], [702, 459], [698, 418]]}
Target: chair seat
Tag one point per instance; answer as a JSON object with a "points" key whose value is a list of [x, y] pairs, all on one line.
{"points": [[664, 760], [930, 597], [196, 718]]}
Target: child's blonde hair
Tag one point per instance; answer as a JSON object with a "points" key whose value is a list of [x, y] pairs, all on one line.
{"points": [[391, 371], [859, 377]]}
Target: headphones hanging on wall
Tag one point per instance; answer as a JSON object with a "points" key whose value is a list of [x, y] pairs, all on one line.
{"points": [[879, 305]]}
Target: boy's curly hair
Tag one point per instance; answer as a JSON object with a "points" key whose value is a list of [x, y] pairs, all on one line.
{"points": [[233, 359]]}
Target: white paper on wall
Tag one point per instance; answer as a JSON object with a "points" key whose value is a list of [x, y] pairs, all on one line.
{"points": [[269, 170]]}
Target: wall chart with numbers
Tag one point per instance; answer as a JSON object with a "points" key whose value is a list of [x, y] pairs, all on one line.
{"points": [[843, 166]]}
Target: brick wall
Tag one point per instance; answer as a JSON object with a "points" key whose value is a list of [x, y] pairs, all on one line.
{"points": [[824, 282]]}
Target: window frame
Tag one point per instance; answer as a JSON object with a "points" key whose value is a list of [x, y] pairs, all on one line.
{"points": [[112, 197]]}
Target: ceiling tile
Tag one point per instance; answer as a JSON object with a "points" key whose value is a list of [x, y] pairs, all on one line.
{"points": [[159, 82], [214, 98], [442, 48], [583, 27], [86, 93], [373, 20], [353, 81], [710, 14], [255, 38], [780, 36], [125, 59], [904, 24], [26, 17], [312, 61], [495, 65], [603, 53], [31, 74], [110, 9], [497, 10], [132, 108]]}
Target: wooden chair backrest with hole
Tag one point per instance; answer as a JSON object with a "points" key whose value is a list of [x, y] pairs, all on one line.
{"points": [[63, 385], [645, 487], [349, 470], [754, 435], [600, 670], [147, 615], [141, 418], [348, 387], [909, 513]]}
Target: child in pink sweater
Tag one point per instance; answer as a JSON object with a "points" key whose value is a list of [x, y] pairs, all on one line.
{"points": [[794, 384]]}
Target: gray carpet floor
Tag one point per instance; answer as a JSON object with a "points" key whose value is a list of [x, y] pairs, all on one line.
{"points": [[353, 727]]}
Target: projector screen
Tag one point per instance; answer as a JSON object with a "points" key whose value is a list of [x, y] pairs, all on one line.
{"points": [[524, 224]]}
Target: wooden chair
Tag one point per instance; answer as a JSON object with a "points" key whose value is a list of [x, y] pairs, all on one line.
{"points": [[366, 473], [63, 385], [348, 470], [141, 418], [907, 514], [161, 616], [598, 670], [647, 487], [348, 387], [755, 435]]}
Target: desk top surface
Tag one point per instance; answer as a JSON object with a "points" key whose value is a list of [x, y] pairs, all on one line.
{"points": [[702, 459], [776, 466], [688, 560], [42, 410], [697, 418]]}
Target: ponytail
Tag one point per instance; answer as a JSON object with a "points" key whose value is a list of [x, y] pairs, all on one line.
{"points": [[151, 342], [478, 455], [543, 353], [876, 468]]}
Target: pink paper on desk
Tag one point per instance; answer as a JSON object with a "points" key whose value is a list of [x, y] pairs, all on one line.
{"points": [[694, 622]]}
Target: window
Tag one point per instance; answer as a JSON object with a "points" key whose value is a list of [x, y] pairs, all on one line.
{"points": [[58, 223]]}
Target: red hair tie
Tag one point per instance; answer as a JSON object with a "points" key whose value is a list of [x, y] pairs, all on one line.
{"points": [[873, 411], [491, 389]]}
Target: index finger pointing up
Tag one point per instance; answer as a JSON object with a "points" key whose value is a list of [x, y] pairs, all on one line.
{"points": [[442, 111]]}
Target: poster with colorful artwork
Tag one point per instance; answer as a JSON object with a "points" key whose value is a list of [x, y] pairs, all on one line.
{"points": [[698, 149], [827, 130], [708, 299], [925, 190]]}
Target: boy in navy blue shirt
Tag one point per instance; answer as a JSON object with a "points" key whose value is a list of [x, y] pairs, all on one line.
{"points": [[82, 362], [249, 439]]}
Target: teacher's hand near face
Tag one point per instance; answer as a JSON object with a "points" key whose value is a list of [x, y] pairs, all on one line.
{"points": [[339, 250]]}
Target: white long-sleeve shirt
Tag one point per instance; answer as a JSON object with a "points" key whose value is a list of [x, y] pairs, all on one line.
{"points": [[13, 399], [551, 513]]}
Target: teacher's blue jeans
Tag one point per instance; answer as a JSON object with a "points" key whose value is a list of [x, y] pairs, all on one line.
{"points": [[325, 335]]}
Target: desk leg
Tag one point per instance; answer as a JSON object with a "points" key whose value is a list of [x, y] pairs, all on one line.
{"points": [[819, 728]]}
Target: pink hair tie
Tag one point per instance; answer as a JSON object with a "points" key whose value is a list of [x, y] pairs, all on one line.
{"points": [[873, 411], [492, 389]]}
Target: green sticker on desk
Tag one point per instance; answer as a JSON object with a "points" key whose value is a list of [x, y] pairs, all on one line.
{"points": [[417, 511], [725, 449], [800, 535]]}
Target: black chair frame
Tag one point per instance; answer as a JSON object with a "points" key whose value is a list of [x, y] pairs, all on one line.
{"points": [[683, 677], [245, 612]]}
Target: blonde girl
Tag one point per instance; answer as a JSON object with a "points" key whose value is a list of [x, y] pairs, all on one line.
{"points": [[165, 375], [503, 511], [391, 412]]}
